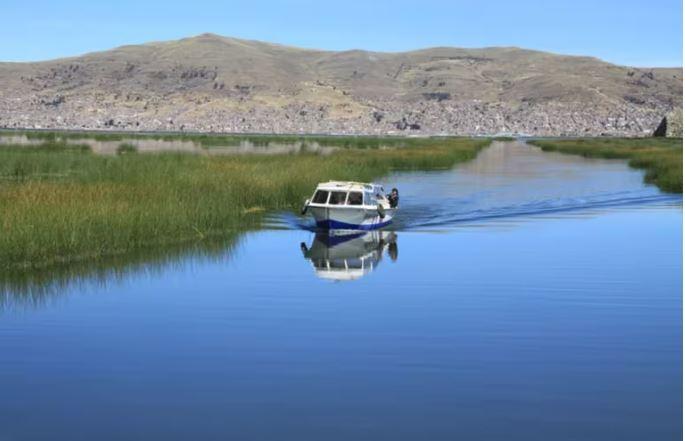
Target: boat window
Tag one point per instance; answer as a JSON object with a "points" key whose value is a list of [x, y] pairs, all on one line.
{"points": [[369, 198], [320, 197], [347, 264], [355, 198], [338, 198]]}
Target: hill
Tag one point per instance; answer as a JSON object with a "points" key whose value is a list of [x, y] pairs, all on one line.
{"points": [[220, 84]]}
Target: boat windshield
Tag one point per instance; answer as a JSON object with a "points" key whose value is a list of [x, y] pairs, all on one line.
{"points": [[320, 197], [338, 198], [355, 198]]}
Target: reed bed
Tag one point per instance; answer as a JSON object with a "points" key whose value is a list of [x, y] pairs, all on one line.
{"points": [[60, 203], [222, 140], [662, 158]]}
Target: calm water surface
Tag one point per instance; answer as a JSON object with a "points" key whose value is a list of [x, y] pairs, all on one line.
{"points": [[522, 296]]}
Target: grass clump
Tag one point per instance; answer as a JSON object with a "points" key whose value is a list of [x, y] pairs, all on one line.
{"points": [[125, 148], [62, 205], [662, 158]]}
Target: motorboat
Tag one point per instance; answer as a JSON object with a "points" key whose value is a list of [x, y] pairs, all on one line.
{"points": [[337, 205], [343, 257]]}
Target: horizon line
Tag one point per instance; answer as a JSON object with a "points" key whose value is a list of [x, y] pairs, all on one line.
{"points": [[314, 49]]}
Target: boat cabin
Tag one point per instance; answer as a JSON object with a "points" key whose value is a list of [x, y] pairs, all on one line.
{"points": [[358, 194]]}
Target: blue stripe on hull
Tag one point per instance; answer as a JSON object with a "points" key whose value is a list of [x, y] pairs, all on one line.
{"points": [[336, 225]]}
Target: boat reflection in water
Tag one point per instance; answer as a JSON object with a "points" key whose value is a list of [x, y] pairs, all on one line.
{"points": [[349, 256]]}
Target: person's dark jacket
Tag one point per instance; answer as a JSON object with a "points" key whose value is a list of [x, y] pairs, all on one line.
{"points": [[394, 200]]}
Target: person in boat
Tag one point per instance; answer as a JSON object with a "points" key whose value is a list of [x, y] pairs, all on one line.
{"points": [[394, 198]]}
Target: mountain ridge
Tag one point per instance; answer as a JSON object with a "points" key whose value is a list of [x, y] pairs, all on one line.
{"points": [[214, 83]]}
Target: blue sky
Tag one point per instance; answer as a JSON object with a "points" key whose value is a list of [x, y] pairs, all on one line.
{"points": [[639, 33]]}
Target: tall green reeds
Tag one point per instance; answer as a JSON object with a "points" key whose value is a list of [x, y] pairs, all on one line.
{"points": [[60, 204], [662, 158]]}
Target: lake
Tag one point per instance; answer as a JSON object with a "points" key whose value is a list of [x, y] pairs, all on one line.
{"points": [[521, 296]]}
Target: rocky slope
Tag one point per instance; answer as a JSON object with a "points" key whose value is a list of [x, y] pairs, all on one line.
{"points": [[220, 84]]}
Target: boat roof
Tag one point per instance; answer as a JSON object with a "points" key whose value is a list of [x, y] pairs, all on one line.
{"points": [[347, 185]]}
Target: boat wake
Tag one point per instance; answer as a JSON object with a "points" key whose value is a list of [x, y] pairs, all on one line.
{"points": [[453, 212]]}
